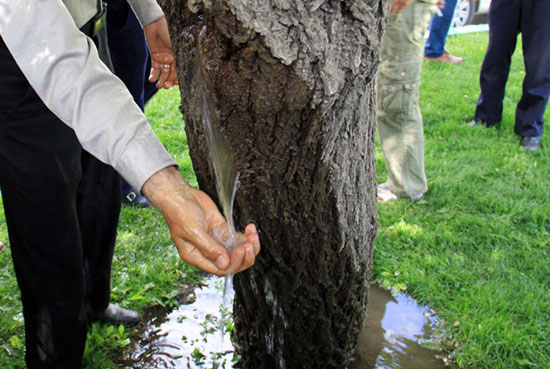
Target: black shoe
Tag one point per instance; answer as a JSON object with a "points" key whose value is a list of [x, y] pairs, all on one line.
{"points": [[135, 199], [116, 315], [530, 143]]}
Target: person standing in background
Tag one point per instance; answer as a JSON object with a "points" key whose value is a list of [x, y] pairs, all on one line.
{"points": [[398, 116], [434, 49], [131, 63], [507, 18], [400, 125]]}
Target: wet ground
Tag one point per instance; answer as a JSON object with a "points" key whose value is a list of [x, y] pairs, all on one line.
{"points": [[189, 337]]}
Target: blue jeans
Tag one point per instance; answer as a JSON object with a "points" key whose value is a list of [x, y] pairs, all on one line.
{"points": [[439, 27]]}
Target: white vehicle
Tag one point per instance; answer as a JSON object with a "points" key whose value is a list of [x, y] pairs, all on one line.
{"points": [[466, 10]]}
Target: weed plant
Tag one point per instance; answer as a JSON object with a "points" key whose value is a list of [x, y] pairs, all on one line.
{"points": [[475, 249]]}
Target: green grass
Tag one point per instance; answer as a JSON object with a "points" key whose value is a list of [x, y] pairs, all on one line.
{"points": [[475, 249]]}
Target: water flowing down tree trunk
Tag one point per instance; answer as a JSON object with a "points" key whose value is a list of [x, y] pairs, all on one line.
{"points": [[292, 83]]}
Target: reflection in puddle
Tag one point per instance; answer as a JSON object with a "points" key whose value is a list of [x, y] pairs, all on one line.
{"points": [[394, 329], [189, 337]]}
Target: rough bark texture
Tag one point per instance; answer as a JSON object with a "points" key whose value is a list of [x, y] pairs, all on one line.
{"points": [[293, 85]]}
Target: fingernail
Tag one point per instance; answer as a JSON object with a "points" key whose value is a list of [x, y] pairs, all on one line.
{"points": [[221, 262]]}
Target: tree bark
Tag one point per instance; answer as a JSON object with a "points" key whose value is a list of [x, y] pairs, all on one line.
{"points": [[293, 87]]}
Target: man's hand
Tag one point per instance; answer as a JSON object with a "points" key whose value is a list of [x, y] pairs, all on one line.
{"points": [[397, 6], [163, 67], [198, 228]]}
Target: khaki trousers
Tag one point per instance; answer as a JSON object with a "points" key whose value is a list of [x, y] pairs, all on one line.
{"points": [[400, 127]]}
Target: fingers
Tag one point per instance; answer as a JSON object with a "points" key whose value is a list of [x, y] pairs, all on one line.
{"points": [[244, 256], [249, 257], [213, 258], [163, 70], [213, 251], [253, 237], [172, 77], [208, 253], [191, 255]]}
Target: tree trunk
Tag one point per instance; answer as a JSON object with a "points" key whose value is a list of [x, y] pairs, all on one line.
{"points": [[293, 87]]}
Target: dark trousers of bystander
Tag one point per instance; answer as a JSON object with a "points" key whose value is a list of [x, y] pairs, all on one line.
{"points": [[129, 55], [128, 50], [507, 18], [62, 212]]}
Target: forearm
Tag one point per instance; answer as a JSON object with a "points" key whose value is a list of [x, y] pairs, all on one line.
{"points": [[63, 67]]}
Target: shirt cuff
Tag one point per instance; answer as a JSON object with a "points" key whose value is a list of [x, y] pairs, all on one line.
{"points": [[141, 159], [147, 11]]}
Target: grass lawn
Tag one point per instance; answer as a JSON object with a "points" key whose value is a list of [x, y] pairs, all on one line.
{"points": [[475, 249]]}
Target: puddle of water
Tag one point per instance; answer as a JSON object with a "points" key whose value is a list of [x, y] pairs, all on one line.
{"points": [[394, 330], [189, 337]]}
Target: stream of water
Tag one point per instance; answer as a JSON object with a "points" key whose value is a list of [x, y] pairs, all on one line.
{"points": [[197, 335], [227, 177]]}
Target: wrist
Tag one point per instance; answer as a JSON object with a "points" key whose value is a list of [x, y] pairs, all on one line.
{"points": [[162, 186]]}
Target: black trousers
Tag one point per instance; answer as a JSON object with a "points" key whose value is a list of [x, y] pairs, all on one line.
{"points": [[128, 51], [62, 207], [507, 18], [129, 56]]}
